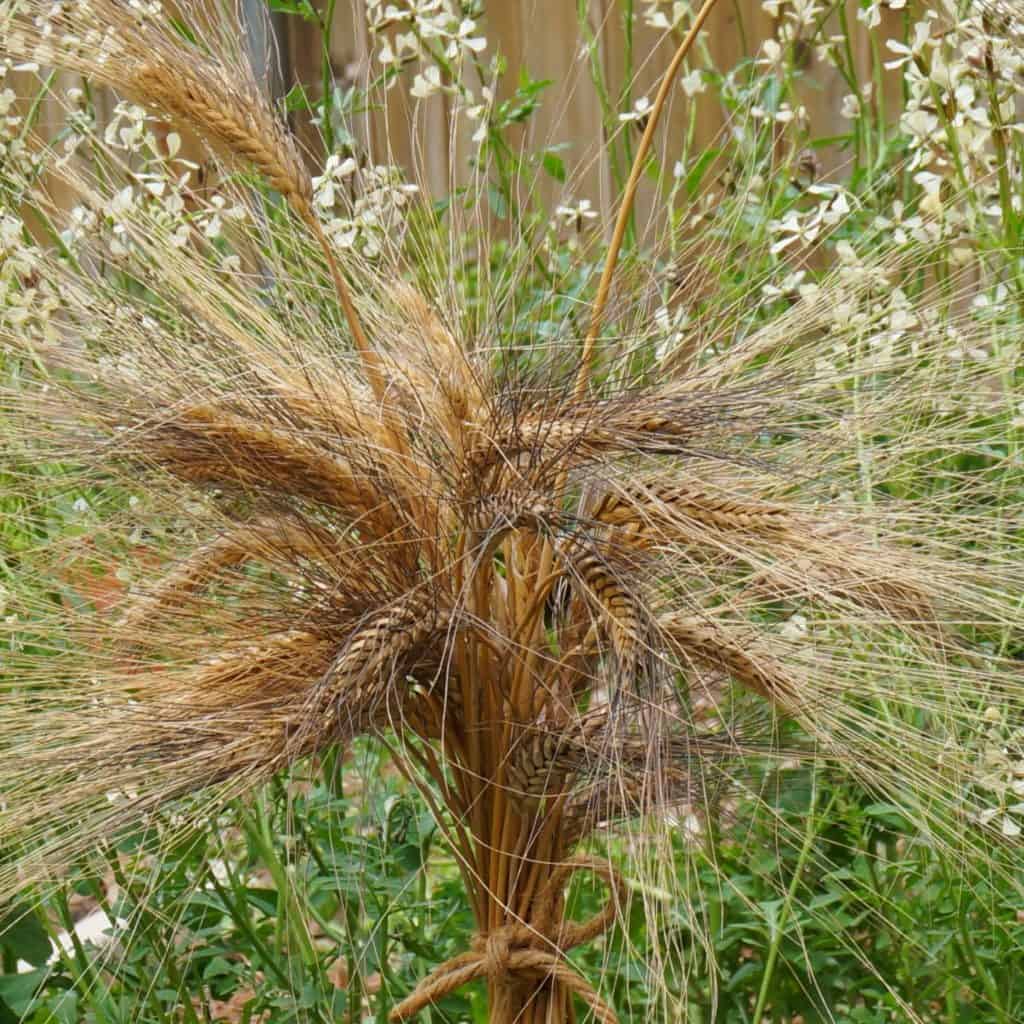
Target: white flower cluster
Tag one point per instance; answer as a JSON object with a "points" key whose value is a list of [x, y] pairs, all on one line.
{"points": [[28, 299], [375, 214], [797, 19], [326, 186], [804, 227], [426, 33], [963, 71], [18, 161], [165, 202], [51, 35], [130, 129], [664, 14], [162, 188], [964, 85], [1002, 764]]}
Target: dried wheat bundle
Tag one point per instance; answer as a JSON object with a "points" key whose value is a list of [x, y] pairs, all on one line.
{"points": [[568, 585]]}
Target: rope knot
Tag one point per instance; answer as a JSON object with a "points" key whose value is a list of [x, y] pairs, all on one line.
{"points": [[495, 951], [532, 951]]}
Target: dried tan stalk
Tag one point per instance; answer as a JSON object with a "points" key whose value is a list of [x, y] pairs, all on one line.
{"points": [[629, 195], [457, 554]]}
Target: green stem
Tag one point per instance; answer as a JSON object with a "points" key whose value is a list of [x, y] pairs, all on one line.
{"points": [[787, 906], [327, 76]]}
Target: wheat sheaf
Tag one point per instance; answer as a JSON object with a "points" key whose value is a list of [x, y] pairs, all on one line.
{"points": [[560, 584]]}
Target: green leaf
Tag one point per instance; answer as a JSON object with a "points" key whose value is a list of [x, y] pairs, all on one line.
{"points": [[17, 991], [184, 31], [303, 8], [297, 98], [25, 937], [693, 178], [497, 203], [887, 814], [264, 900], [554, 165]]}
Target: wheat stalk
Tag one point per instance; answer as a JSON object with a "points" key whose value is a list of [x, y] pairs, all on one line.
{"points": [[533, 586]]}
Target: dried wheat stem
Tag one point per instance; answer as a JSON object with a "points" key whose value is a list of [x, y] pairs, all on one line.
{"points": [[629, 195], [371, 360]]}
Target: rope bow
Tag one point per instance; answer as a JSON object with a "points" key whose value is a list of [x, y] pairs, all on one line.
{"points": [[536, 951]]}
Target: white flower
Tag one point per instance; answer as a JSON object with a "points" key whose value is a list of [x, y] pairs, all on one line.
{"points": [[907, 54], [793, 228], [426, 83], [784, 114], [575, 214], [10, 232], [477, 111], [671, 326], [803, 14], [121, 203], [920, 123], [640, 110], [656, 18], [847, 254], [179, 237], [213, 226], [835, 209], [325, 185], [466, 38], [773, 54], [693, 82], [794, 627], [791, 284], [82, 220], [870, 15]]}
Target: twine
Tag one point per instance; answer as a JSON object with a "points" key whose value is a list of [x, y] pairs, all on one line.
{"points": [[536, 952]]}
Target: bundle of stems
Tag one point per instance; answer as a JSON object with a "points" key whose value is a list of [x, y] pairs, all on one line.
{"points": [[553, 587]]}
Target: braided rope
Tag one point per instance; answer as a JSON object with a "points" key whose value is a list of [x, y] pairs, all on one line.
{"points": [[536, 951]]}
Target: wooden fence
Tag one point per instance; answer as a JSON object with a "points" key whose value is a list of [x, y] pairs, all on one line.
{"points": [[546, 38]]}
